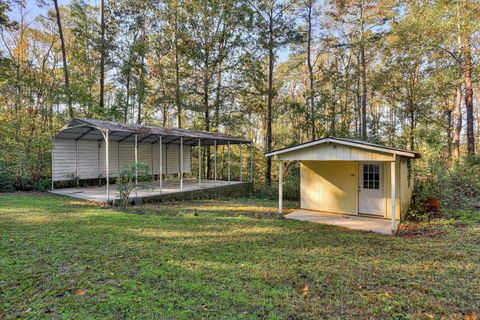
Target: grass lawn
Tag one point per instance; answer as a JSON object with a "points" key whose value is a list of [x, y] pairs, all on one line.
{"points": [[66, 258]]}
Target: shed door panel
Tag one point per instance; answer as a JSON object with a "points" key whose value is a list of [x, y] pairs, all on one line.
{"points": [[371, 195]]}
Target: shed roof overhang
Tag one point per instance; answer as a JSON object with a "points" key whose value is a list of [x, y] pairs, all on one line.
{"points": [[358, 144], [91, 129]]}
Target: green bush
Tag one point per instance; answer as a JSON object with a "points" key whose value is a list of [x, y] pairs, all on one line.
{"points": [[126, 181], [455, 186], [7, 178], [291, 187]]}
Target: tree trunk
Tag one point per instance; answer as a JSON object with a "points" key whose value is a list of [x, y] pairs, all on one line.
{"points": [[310, 69], [218, 96], [102, 54], [458, 124], [364, 74], [412, 126], [449, 130], [177, 76], [364, 91], [268, 167], [141, 90], [125, 117], [358, 121], [469, 100], [206, 107], [64, 57]]}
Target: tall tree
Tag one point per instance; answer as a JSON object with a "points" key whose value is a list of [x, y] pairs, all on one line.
{"points": [[309, 7], [276, 30], [469, 98], [102, 55], [64, 58]]}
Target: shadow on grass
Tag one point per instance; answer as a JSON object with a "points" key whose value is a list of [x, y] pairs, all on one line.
{"points": [[221, 266]]}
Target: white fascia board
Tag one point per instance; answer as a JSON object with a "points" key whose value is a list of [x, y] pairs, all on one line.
{"points": [[342, 142]]}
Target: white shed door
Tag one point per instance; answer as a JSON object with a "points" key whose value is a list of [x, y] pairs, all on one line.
{"points": [[371, 194]]}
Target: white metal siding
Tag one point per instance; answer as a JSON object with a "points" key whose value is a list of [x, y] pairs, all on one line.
{"points": [[113, 159], [127, 154], [63, 160], [88, 160], [91, 158]]}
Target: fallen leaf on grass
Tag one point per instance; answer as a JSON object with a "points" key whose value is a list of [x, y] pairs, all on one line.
{"points": [[473, 316], [80, 292], [388, 295], [429, 315], [305, 291], [138, 299]]}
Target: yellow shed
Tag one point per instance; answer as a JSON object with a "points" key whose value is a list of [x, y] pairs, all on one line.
{"points": [[352, 177]]}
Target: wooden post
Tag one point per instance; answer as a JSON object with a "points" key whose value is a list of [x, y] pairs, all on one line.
{"points": [[160, 175], [228, 160], [181, 164], [280, 186], [393, 196], [199, 163]]}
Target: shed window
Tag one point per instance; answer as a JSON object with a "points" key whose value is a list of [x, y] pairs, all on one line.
{"points": [[371, 176]]}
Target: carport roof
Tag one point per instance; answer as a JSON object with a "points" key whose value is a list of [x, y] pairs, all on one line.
{"points": [[349, 142], [91, 129]]}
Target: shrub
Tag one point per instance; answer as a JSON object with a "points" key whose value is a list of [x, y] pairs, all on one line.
{"points": [[456, 186], [291, 187], [126, 181]]}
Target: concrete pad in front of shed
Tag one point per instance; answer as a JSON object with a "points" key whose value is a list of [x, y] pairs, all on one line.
{"points": [[376, 225]]}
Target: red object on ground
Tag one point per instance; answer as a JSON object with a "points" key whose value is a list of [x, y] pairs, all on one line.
{"points": [[431, 205]]}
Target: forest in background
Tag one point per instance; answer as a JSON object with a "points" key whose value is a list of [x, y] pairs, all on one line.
{"points": [[280, 72]]}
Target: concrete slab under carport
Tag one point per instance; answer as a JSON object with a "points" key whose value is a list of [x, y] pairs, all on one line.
{"points": [[372, 224], [150, 192]]}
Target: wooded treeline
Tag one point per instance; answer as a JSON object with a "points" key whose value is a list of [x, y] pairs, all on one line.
{"points": [[400, 73]]}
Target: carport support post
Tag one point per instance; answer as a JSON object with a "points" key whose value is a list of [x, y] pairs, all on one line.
{"points": [[280, 186], [53, 146], [393, 196], [181, 164], [251, 162], [215, 161], [106, 164], [160, 175], [241, 173], [136, 161], [199, 162], [228, 160]]}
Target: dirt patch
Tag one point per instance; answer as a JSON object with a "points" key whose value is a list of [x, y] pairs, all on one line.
{"points": [[414, 231]]}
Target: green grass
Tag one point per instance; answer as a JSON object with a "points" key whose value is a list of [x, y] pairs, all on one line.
{"points": [[64, 258]]}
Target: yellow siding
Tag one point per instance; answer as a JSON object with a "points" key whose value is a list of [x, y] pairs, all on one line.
{"points": [[329, 186], [335, 152], [388, 192], [406, 187], [333, 186]]}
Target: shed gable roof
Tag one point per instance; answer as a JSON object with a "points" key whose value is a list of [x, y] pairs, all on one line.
{"points": [[360, 144]]}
